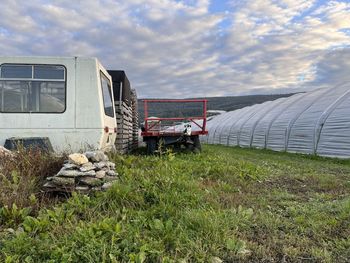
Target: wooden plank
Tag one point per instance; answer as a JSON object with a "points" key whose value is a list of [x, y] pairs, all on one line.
{"points": [[122, 136], [125, 123], [121, 103], [128, 134], [124, 111], [122, 143], [125, 127], [122, 128], [124, 118], [124, 131]]}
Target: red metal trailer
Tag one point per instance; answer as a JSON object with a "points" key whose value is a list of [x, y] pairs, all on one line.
{"points": [[175, 130]]}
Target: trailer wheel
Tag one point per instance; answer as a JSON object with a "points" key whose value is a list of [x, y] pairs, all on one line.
{"points": [[189, 147], [197, 148], [151, 145], [177, 147]]}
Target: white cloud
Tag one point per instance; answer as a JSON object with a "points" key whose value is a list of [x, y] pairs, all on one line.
{"points": [[179, 49]]}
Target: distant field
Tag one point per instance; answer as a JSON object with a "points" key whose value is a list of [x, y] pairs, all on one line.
{"points": [[226, 204], [214, 103]]}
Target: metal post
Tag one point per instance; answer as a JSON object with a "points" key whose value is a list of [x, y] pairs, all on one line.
{"points": [[204, 114], [146, 114]]}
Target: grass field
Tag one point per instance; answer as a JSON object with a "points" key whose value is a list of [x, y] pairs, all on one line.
{"points": [[226, 204]]}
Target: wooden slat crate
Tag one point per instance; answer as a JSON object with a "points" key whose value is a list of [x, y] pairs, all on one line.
{"points": [[127, 125]]}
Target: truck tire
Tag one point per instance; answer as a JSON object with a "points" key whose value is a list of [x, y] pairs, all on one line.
{"points": [[151, 145], [197, 148]]}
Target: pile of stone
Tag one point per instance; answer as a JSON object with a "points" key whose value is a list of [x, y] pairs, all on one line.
{"points": [[91, 171]]}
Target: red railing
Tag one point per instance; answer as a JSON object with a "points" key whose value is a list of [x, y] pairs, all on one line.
{"points": [[158, 126]]}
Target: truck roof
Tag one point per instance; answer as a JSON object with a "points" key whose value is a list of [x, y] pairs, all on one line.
{"points": [[48, 57]]}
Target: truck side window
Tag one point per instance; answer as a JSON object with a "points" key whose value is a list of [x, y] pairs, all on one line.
{"points": [[32, 88], [107, 95]]}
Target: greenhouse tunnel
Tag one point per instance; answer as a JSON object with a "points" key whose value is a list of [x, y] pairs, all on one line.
{"points": [[316, 122]]}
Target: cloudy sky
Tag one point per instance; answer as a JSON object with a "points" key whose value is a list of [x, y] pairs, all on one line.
{"points": [[173, 48]]}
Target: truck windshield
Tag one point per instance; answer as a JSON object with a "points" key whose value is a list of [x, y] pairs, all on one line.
{"points": [[107, 95]]}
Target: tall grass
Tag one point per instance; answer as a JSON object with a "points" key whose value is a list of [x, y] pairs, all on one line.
{"points": [[21, 177]]}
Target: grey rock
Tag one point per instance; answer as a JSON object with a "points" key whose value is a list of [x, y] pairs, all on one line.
{"points": [[63, 181], [87, 167], [101, 165], [91, 181], [78, 159], [216, 260], [49, 185], [49, 178], [100, 174], [10, 230], [89, 173], [111, 165], [19, 230], [82, 188], [70, 166], [112, 173], [97, 156], [96, 188], [75, 173], [107, 165], [107, 185], [69, 173], [5, 152]]}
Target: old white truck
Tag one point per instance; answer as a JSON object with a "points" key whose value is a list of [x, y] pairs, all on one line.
{"points": [[68, 100]]}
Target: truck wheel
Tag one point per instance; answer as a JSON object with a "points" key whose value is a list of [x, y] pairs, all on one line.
{"points": [[151, 145], [197, 148]]}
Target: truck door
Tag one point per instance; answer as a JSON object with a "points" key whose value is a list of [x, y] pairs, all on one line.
{"points": [[109, 112]]}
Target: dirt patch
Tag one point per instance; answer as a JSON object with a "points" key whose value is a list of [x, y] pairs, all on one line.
{"points": [[259, 194], [303, 187]]}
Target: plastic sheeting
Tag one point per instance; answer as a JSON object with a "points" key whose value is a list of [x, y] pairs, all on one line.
{"points": [[317, 122]]}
